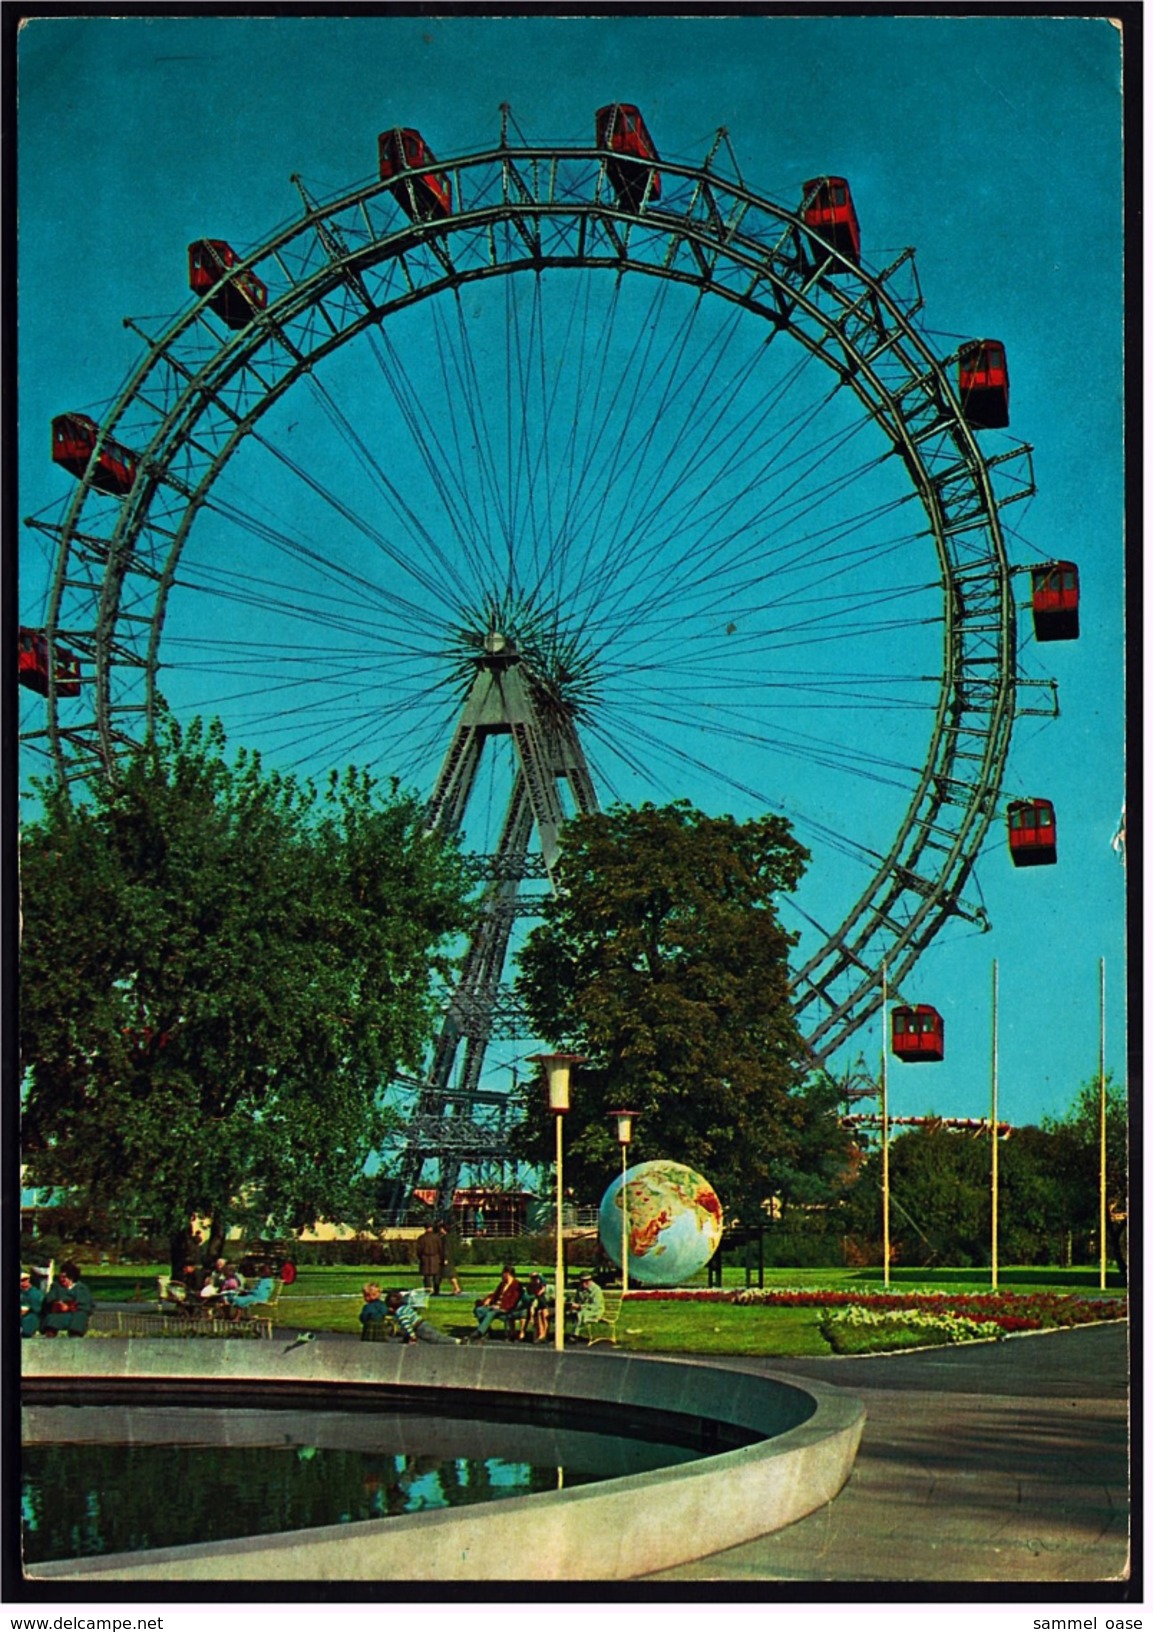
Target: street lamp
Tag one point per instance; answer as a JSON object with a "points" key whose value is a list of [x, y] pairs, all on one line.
{"points": [[556, 1069], [624, 1137]]}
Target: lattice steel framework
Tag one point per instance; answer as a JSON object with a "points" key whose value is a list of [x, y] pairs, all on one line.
{"points": [[455, 1122], [344, 266]]}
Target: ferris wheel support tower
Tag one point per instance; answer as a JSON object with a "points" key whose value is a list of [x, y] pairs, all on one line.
{"points": [[460, 1123]]}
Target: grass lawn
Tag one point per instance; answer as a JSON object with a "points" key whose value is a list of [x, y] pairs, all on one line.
{"points": [[328, 1299]]}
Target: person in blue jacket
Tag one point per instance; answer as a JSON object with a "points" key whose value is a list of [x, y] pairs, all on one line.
{"points": [[31, 1303], [260, 1292], [68, 1304]]}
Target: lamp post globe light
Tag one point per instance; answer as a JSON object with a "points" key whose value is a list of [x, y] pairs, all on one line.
{"points": [[556, 1071], [624, 1121]]}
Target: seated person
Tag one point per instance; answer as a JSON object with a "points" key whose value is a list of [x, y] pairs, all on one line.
{"points": [[224, 1278], [414, 1328], [31, 1303], [212, 1279], [179, 1288], [375, 1317], [587, 1305], [68, 1304], [502, 1300], [244, 1297], [536, 1309], [185, 1290]]}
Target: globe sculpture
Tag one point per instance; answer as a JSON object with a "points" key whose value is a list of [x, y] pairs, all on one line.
{"points": [[674, 1222]]}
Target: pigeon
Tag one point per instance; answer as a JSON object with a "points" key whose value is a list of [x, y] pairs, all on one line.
{"points": [[301, 1338]]}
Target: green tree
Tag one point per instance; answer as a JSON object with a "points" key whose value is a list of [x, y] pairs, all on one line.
{"points": [[220, 969], [1079, 1134], [662, 959], [1033, 1223], [939, 1197]]}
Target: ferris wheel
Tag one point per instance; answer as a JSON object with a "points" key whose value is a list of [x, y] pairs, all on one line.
{"points": [[546, 476]]}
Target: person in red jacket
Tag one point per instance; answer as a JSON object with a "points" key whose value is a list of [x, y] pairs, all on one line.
{"points": [[502, 1300]]}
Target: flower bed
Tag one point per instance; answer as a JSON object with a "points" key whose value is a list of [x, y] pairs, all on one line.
{"points": [[858, 1330], [1007, 1311]]}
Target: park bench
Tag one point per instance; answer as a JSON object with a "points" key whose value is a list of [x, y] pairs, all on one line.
{"points": [[604, 1328], [205, 1317]]}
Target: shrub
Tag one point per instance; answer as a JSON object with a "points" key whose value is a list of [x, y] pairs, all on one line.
{"points": [[786, 1250]]}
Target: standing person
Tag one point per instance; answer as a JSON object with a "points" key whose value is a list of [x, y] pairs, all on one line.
{"points": [[31, 1303], [450, 1238], [374, 1316], [430, 1257], [68, 1304], [505, 1296]]}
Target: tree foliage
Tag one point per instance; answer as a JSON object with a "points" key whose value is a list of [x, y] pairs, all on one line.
{"points": [[1048, 1190], [662, 959], [220, 970], [1078, 1137]]}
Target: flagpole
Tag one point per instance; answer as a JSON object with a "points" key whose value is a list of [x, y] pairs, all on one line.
{"points": [[885, 1114], [994, 1127], [1102, 1221]]}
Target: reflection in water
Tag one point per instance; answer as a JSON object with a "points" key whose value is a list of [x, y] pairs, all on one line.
{"points": [[85, 1499], [109, 1480]]}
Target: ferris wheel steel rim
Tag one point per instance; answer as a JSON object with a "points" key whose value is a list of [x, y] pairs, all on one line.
{"points": [[202, 395]]}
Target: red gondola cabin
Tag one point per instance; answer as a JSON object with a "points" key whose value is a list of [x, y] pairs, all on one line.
{"points": [[73, 439], [827, 207], [918, 1034], [34, 667], [983, 382], [620, 129], [1056, 597], [1032, 833], [235, 300], [422, 198]]}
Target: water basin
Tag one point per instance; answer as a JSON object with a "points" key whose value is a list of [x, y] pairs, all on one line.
{"points": [[101, 1479]]}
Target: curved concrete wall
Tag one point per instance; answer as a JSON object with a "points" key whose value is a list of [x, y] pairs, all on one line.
{"points": [[605, 1532]]}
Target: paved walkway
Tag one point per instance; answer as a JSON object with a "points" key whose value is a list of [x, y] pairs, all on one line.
{"points": [[997, 1463]]}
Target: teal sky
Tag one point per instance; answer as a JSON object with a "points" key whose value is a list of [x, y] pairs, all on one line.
{"points": [[993, 145]]}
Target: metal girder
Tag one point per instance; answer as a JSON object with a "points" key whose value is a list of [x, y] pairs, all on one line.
{"points": [[502, 701]]}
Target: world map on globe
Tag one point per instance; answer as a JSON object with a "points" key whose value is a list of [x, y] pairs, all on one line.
{"points": [[674, 1222]]}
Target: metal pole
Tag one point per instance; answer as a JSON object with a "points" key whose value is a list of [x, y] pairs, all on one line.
{"points": [[624, 1222], [994, 1127], [559, 1311], [1103, 1220], [885, 1114]]}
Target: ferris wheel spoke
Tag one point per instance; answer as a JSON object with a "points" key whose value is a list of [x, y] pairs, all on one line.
{"points": [[736, 725], [699, 560], [398, 557], [674, 754], [306, 603], [726, 602], [610, 410], [475, 446], [440, 565], [324, 563], [406, 398], [668, 504]]}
